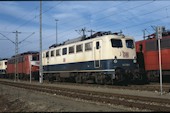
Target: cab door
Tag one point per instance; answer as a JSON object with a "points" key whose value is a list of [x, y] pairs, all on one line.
{"points": [[97, 53]]}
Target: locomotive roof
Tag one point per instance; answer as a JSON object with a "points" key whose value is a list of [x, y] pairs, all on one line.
{"points": [[3, 59], [26, 53], [95, 35]]}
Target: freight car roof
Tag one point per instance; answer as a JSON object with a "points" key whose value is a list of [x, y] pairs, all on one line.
{"points": [[95, 35]]}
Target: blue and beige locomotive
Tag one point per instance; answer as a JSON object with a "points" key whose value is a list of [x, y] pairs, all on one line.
{"points": [[103, 58], [3, 66]]}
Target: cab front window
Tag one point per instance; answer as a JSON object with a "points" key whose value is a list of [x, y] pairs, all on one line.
{"points": [[116, 43], [129, 44]]}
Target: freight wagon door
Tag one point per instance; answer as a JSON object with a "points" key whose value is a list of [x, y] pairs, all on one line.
{"points": [[97, 53]]}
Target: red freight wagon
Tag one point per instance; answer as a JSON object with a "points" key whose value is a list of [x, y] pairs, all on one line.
{"points": [[28, 63], [148, 56]]}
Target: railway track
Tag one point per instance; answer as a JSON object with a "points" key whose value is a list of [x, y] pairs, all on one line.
{"points": [[148, 87], [140, 102]]}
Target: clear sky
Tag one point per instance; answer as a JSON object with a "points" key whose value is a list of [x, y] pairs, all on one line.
{"points": [[129, 16]]}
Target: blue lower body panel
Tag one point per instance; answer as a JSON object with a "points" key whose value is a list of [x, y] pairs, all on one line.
{"points": [[102, 65]]}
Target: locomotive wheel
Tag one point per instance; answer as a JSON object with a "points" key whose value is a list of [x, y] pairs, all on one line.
{"points": [[140, 77], [96, 79], [100, 79], [120, 77], [58, 78], [78, 79]]}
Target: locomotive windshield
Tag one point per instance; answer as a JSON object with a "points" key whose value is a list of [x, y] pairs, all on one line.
{"points": [[116, 43], [129, 44]]}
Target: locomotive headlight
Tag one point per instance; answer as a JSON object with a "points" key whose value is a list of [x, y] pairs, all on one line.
{"points": [[115, 59], [134, 60]]}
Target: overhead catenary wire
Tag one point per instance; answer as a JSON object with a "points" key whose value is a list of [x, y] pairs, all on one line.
{"points": [[36, 17], [44, 37], [16, 43], [146, 22], [26, 14], [75, 27], [26, 38], [154, 11], [153, 21], [30, 20], [65, 32], [7, 38], [52, 7], [18, 20], [95, 13]]}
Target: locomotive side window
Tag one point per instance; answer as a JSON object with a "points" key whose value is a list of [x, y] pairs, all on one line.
{"points": [[58, 52], [165, 43], [52, 53], [47, 54], [79, 48], [129, 44], [64, 51], [151, 45], [88, 46], [116, 43], [71, 49], [97, 45]]}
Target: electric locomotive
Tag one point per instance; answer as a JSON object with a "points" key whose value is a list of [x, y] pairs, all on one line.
{"points": [[3, 66], [148, 56], [23, 65], [103, 58]]}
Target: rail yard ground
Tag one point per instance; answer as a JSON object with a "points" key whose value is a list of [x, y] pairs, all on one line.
{"points": [[14, 99], [19, 100]]}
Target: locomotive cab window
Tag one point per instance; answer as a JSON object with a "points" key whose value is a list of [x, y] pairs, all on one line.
{"points": [[79, 48], [116, 43], [64, 51], [129, 44]]}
